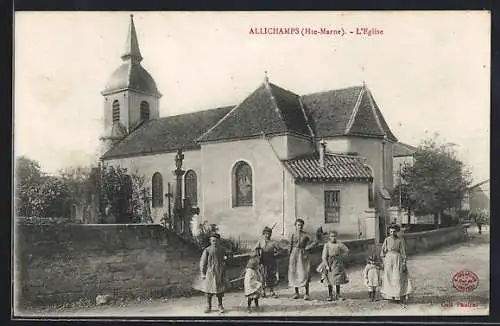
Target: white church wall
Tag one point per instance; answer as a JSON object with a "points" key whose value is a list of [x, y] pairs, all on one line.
{"points": [[353, 204], [268, 173], [164, 163]]}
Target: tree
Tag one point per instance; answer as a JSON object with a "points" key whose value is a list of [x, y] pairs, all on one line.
{"points": [[436, 181], [28, 178], [480, 218], [126, 195]]}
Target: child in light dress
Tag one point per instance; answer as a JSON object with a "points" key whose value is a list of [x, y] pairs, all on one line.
{"points": [[253, 281], [371, 277]]}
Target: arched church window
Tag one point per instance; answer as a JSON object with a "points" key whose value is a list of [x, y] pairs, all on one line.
{"points": [[242, 185], [144, 110], [157, 190], [116, 111], [190, 187]]}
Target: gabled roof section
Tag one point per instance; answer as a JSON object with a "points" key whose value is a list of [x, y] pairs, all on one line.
{"points": [[167, 134], [289, 105], [385, 126], [330, 111], [401, 150], [347, 111], [269, 109], [364, 119], [338, 168]]}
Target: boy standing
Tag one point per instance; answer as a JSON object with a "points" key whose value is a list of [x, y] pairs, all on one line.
{"points": [[212, 268]]}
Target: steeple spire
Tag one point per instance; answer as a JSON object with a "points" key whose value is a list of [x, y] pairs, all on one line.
{"points": [[132, 51]]}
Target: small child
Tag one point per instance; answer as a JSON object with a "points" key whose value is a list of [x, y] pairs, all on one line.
{"points": [[253, 281], [371, 277]]}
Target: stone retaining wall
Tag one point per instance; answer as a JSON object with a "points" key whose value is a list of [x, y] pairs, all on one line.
{"points": [[61, 263]]}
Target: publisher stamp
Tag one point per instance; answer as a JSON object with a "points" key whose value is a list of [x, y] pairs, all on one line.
{"points": [[465, 281]]}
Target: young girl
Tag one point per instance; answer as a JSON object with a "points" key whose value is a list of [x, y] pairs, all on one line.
{"points": [[268, 251], [332, 265], [371, 277], [253, 282], [299, 266], [212, 268]]}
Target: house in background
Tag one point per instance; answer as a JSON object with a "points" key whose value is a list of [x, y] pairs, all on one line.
{"points": [[402, 154], [325, 157], [477, 197]]}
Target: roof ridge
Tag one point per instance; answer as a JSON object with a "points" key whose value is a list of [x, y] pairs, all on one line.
{"points": [[372, 105], [332, 90], [226, 116], [194, 112], [283, 89], [267, 85], [355, 111]]}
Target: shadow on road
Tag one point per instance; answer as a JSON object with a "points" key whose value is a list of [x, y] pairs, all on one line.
{"points": [[436, 299]]}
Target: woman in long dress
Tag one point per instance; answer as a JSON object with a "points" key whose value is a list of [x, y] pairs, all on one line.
{"points": [[332, 265], [268, 250], [299, 267], [396, 284]]}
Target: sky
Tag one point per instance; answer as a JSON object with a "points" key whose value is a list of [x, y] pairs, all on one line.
{"points": [[428, 71]]}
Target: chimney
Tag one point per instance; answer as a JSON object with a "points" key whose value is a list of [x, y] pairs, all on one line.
{"points": [[322, 149]]}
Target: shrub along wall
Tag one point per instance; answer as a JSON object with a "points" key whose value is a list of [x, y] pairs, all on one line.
{"points": [[61, 263]]}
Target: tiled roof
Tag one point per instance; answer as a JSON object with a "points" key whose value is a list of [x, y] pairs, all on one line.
{"points": [[167, 134], [365, 121], [338, 167], [400, 149], [269, 109], [330, 111], [384, 124]]}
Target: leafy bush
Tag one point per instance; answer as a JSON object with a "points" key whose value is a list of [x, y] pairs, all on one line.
{"points": [[201, 231]]}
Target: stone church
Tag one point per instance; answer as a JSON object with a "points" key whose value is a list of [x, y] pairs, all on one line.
{"points": [[273, 157]]}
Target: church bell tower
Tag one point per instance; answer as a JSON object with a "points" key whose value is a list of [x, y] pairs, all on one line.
{"points": [[131, 96]]}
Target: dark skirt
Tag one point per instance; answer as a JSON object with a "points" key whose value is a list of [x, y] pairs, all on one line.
{"points": [[269, 272]]}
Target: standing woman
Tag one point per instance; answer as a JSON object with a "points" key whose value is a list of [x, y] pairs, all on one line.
{"points": [[334, 253], [396, 284], [268, 250], [299, 268]]}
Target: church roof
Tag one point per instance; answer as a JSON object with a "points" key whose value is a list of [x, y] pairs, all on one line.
{"points": [[274, 110], [167, 134], [131, 75], [338, 168], [401, 149], [269, 109], [347, 111]]}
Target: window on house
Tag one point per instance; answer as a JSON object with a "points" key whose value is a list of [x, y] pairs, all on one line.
{"points": [[157, 190], [116, 111], [190, 187], [332, 206], [144, 110], [242, 185]]}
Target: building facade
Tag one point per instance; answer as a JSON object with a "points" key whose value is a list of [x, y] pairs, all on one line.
{"points": [[272, 158]]}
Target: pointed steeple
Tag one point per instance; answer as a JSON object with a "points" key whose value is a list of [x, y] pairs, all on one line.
{"points": [[132, 51]]}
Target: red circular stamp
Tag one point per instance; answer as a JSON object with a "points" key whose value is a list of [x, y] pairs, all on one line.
{"points": [[465, 281]]}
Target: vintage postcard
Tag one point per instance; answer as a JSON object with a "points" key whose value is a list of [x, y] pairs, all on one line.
{"points": [[222, 164]]}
